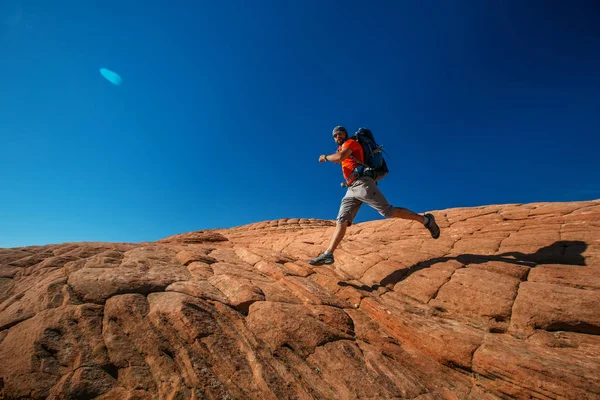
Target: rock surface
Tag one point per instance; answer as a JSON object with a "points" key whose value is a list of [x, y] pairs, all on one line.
{"points": [[505, 304]]}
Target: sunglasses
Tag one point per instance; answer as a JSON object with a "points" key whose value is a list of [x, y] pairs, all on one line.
{"points": [[338, 134]]}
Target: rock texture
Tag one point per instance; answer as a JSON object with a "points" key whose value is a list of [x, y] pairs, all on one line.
{"points": [[506, 304]]}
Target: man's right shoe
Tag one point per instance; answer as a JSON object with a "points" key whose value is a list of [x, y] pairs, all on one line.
{"points": [[323, 258], [434, 229]]}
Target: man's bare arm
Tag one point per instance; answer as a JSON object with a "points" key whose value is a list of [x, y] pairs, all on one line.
{"points": [[336, 157]]}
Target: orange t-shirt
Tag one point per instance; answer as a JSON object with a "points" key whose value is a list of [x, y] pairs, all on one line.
{"points": [[349, 164]]}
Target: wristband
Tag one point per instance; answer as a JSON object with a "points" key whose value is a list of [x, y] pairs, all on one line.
{"points": [[326, 158]]}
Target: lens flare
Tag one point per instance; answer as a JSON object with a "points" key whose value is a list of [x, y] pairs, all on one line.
{"points": [[111, 76]]}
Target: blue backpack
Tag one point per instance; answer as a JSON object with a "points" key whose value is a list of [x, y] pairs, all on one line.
{"points": [[374, 165]]}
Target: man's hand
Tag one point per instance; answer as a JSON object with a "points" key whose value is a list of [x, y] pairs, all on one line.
{"points": [[322, 158]]}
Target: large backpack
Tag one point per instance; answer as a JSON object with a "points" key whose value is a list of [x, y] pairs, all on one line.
{"points": [[374, 164]]}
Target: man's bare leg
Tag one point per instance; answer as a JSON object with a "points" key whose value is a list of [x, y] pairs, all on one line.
{"points": [[340, 231], [327, 256], [338, 235], [429, 223], [404, 213]]}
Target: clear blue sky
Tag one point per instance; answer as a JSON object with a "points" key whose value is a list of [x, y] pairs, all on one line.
{"points": [[226, 106]]}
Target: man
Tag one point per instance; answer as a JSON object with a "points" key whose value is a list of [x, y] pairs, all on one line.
{"points": [[361, 190]]}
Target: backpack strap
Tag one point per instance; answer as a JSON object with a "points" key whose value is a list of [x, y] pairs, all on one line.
{"points": [[358, 161]]}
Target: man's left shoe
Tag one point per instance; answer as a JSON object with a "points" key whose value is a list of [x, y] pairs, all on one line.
{"points": [[324, 258], [434, 229]]}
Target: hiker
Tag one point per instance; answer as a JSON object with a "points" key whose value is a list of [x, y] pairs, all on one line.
{"points": [[361, 189]]}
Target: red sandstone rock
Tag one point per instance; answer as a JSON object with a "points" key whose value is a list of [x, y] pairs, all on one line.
{"points": [[528, 371], [473, 292], [506, 304], [195, 237], [556, 308]]}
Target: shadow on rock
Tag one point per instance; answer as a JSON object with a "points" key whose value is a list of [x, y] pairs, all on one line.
{"points": [[562, 252]]}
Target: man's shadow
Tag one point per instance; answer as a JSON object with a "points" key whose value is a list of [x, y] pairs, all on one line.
{"points": [[562, 252]]}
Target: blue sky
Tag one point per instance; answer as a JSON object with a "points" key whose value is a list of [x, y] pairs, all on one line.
{"points": [[226, 106]]}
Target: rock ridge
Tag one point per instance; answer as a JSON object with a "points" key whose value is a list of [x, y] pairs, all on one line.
{"points": [[506, 304]]}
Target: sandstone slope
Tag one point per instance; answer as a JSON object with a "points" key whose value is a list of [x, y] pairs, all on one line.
{"points": [[506, 304]]}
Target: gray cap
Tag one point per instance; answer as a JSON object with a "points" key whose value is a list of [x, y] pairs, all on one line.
{"points": [[340, 128]]}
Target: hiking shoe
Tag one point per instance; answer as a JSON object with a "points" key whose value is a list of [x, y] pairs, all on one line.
{"points": [[322, 259], [434, 229]]}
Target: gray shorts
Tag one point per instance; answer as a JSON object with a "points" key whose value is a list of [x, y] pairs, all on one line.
{"points": [[363, 190]]}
